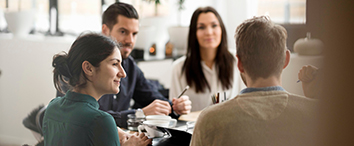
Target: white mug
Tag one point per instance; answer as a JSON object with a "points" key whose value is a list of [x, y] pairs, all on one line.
{"points": [[161, 120]]}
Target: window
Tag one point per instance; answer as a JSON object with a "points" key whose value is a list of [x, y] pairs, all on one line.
{"points": [[76, 16], [15, 5], [283, 11]]}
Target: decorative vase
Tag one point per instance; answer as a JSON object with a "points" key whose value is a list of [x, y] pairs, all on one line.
{"points": [[308, 46], [20, 23]]}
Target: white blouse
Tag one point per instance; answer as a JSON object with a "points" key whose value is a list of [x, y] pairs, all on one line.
{"points": [[202, 100]]}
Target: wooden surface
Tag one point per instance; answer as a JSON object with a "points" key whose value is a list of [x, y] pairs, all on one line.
{"points": [[193, 116]]}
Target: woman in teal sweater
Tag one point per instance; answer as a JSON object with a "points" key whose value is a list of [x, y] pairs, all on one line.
{"points": [[93, 68]]}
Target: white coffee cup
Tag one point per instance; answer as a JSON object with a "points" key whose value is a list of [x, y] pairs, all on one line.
{"points": [[161, 120]]}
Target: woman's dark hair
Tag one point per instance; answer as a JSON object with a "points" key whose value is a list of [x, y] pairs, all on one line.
{"points": [[91, 47], [109, 16], [224, 59]]}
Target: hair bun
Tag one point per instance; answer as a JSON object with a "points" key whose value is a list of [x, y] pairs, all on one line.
{"points": [[61, 65]]}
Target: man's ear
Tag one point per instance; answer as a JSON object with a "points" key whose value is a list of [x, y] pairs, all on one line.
{"points": [[105, 30], [239, 65], [287, 59], [88, 68]]}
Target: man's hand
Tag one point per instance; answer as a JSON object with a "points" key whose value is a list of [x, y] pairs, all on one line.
{"points": [[157, 107], [307, 73], [182, 105], [310, 78], [137, 139]]}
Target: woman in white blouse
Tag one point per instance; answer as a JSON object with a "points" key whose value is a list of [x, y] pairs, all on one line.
{"points": [[208, 67]]}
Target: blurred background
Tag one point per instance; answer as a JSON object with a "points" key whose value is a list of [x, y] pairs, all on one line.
{"points": [[25, 58], [71, 17]]}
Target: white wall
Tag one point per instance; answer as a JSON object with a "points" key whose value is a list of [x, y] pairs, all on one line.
{"points": [[26, 82]]}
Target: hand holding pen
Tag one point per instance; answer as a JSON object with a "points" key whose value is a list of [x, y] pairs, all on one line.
{"points": [[307, 73], [182, 104], [312, 80]]}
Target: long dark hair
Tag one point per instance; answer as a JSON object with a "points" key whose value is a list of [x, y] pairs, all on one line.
{"points": [[224, 59], [91, 47]]}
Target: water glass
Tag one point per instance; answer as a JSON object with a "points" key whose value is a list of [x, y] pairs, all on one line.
{"points": [[133, 122]]}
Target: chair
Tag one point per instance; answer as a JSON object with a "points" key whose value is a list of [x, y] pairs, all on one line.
{"points": [[34, 122]]}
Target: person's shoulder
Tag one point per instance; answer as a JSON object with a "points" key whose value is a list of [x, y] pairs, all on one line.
{"points": [[301, 97], [54, 101], [103, 115], [216, 110], [302, 101], [102, 119], [130, 66], [179, 61], [52, 105], [96, 112], [130, 60], [305, 107]]}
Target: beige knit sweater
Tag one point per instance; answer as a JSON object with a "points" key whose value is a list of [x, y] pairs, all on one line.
{"points": [[264, 118]]}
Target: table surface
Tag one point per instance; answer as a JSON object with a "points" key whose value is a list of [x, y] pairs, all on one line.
{"points": [[182, 120], [192, 116]]}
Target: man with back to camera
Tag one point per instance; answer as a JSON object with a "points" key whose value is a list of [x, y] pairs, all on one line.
{"points": [[263, 113], [120, 21]]}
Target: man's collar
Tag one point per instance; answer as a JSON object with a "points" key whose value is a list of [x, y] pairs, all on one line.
{"points": [[272, 88]]}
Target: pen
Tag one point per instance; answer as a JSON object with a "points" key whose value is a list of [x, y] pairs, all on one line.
{"points": [[184, 90]]}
